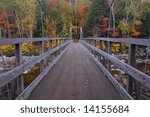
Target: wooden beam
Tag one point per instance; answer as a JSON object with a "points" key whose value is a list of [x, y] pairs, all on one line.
{"points": [[26, 93], [123, 93], [132, 62], [51, 47], [109, 51], [42, 50], [100, 47], [18, 82], [136, 74], [12, 74], [144, 42], [27, 40], [132, 83]]}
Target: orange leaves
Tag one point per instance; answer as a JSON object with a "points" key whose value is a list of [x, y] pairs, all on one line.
{"points": [[9, 25], [134, 32], [103, 24], [5, 25], [82, 10]]}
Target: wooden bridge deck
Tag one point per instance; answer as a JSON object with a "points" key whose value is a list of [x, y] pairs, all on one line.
{"points": [[75, 76]]}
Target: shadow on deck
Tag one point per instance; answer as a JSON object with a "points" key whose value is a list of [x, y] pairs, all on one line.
{"points": [[75, 76]]}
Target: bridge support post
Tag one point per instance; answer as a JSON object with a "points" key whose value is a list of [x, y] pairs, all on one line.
{"points": [[92, 43], [57, 53], [104, 49], [50, 47], [95, 46], [100, 47], [132, 84], [109, 45], [18, 82], [41, 52]]}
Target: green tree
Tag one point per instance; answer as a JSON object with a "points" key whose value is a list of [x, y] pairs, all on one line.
{"points": [[145, 17], [97, 9]]}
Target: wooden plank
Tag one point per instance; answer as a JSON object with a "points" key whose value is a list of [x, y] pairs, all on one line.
{"points": [[57, 53], [123, 93], [18, 54], [132, 62], [26, 93], [83, 77], [136, 74], [132, 83], [18, 83], [23, 40], [100, 47], [109, 51], [144, 42], [12, 74], [42, 49], [51, 47]]}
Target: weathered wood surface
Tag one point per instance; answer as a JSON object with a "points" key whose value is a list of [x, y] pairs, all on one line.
{"points": [[26, 93], [75, 76], [123, 93], [12, 74], [23, 40], [144, 42], [136, 74]]}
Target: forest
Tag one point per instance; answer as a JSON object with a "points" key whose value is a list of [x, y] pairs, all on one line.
{"points": [[114, 18], [53, 18]]}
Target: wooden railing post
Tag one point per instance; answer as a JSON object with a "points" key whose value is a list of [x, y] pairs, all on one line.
{"points": [[100, 47], [95, 46], [92, 43], [109, 44], [56, 46], [51, 44], [132, 62], [51, 47], [56, 42], [18, 82], [42, 49]]}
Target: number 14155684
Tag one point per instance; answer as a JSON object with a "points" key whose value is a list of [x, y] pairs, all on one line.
{"points": [[106, 109]]}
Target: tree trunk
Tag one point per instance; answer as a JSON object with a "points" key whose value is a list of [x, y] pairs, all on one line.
{"points": [[113, 18]]}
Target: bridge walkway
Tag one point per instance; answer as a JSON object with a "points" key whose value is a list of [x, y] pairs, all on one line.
{"points": [[75, 77]]}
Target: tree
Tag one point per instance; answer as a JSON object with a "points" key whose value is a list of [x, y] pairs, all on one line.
{"points": [[128, 19], [27, 16], [145, 18], [146, 25], [98, 8], [82, 9]]}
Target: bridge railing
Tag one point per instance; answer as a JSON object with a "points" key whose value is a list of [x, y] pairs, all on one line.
{"points": [[136, 79], [14, 76]]}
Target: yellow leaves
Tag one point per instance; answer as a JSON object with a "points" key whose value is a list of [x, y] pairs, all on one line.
{"points": [[115, 47], [7, 48], [137, 22], [130, 29], [25, 48], [28, 48], [27, 9], [134, 30]]}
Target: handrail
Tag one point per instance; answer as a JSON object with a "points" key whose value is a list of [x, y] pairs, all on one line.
{"points": [[12, 74], [23, 40], [123, 93], [136, 74], [26, 93], [144, 42]]}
